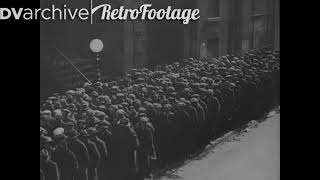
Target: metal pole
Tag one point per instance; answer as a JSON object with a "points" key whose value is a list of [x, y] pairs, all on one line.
{"points": [[98, 67], [67, 59]]}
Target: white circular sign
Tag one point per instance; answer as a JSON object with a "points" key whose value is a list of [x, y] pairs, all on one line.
{"points": [[96, 45]]}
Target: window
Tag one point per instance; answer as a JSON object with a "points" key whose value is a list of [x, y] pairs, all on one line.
{"points": [[213, 8]]}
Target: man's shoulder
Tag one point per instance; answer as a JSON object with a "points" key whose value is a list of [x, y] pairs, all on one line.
{"points": [[50, 164]]}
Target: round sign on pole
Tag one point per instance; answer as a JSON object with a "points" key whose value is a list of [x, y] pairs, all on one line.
{"points": [[96, 45]]}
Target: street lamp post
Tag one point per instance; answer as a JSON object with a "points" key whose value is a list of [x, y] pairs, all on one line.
{"points": [[96, 46]]}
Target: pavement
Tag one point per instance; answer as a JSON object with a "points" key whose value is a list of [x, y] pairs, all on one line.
{"points": [[251, 153]]}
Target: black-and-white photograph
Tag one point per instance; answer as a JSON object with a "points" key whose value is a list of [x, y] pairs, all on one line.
{"points": [[158, 89]]}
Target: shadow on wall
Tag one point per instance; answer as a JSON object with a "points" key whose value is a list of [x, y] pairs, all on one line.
{"points": [[165, 42], [166, 38]]}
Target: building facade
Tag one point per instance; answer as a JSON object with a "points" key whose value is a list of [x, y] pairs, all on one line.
{"points": [[225, 26]]}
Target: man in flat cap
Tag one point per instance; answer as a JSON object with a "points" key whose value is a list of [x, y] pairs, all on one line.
{"points": [[194, 126], [101, 146], [201, 141], [123, 151], [169, 118], [81, 152], [94, 155], [214, 110], [65, 159], [49, 168], [161, 134], [183, 126], [146, 151]]}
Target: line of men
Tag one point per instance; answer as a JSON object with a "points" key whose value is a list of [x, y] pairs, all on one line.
{"points": [[151, 118]]}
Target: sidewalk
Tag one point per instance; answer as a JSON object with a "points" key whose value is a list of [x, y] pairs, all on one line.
{"points": [[249, 153]]}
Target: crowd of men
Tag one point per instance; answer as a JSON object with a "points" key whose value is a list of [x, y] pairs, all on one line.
{"points": [[151, 118]]}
